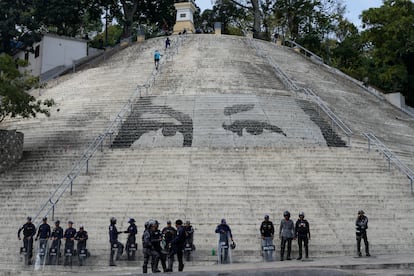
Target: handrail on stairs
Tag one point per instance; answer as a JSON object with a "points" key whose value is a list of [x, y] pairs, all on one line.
{"points": [[98, 142], [390, 156]]}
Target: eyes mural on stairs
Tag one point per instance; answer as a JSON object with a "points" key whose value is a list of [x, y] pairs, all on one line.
{"points": [[252, 127], [147, 117]]}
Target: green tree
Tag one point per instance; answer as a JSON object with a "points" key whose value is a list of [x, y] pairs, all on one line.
{"points": [[18, 29], [389, 40], [66, 17], [14, 85]]}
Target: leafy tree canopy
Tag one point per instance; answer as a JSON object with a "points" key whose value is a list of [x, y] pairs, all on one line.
{"points": [[14, 99]]}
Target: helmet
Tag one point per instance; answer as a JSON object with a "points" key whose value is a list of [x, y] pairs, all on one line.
{"points": [[233, 245], [266, 217], [146, 225], [187, 222], [151, 222], [179, 222], [113, 220], [29, 218], [301, 214], [57, 222], [361, 212], [223, 221], [131, 220], [81, 226], [286, 214]]}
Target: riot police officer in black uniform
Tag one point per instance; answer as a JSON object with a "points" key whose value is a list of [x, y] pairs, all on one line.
{"points": [[69, 237], [177, 247], [146, 246], [156, 238], [267, 231], [43, 233], [361, 226], [302, 233], [29, 230], [81, 236], [113, 240], [131, 240], [56, 236]]}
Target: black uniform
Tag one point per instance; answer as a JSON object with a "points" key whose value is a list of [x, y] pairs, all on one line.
{"points": [[267, 229], [69, 236], [169, 233], [302, 232], [29, 230], [177, 247], [156, 237], [57, 235], [146, 248], [81, 237], [131, 240], [113, 239], [189, 232], [361, 226], [44, 234]]}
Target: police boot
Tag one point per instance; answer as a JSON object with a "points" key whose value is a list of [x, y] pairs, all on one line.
{"points": [[144, 269], [299, 258], [181, 267]]}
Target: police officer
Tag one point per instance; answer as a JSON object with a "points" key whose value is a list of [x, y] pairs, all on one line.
{"points": [[177, 247], [43, 233], [189, 232], [29, 230], [267, 231], [56, 236], [361, 226], [156, 237], [113, 240], [81, 236], [168, 233], [302, 233], [131, 231], [225, 233], [146, 245], [69, 237], [286, 234]]}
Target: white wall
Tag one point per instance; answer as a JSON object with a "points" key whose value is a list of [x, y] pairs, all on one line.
{"points": [[59, 51], [34, 66], [187, 12]]}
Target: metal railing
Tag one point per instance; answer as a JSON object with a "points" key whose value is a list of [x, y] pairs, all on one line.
{"points": [[305, 51], [390, 156], [98, 143], [335, 120], [290, 85]]}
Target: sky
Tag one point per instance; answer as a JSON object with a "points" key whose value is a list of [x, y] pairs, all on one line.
{"points": [[354, 8]]}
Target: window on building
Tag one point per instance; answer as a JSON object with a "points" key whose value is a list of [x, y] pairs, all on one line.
{"points": [[26, 56], [37, 51], [183, 15]]}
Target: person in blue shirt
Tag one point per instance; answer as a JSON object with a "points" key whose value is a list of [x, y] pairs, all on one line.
{"points": [[157, 57], [131, 240], [56, 236]]}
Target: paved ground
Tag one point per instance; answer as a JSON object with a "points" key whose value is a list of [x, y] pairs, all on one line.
{"points": [[401, 265]]}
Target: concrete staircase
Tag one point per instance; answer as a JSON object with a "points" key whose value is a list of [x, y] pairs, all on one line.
{"points": [[255, 149]]}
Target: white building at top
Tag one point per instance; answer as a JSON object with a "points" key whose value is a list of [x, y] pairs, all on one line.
{"points": [[53, 52]]}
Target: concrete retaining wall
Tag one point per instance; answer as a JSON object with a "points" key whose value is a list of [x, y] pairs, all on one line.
{"points": [[11, 148]]}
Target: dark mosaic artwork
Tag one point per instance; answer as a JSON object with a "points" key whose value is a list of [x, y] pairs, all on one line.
{"points": [[331, 137], [253, 127], [146, 117]]}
